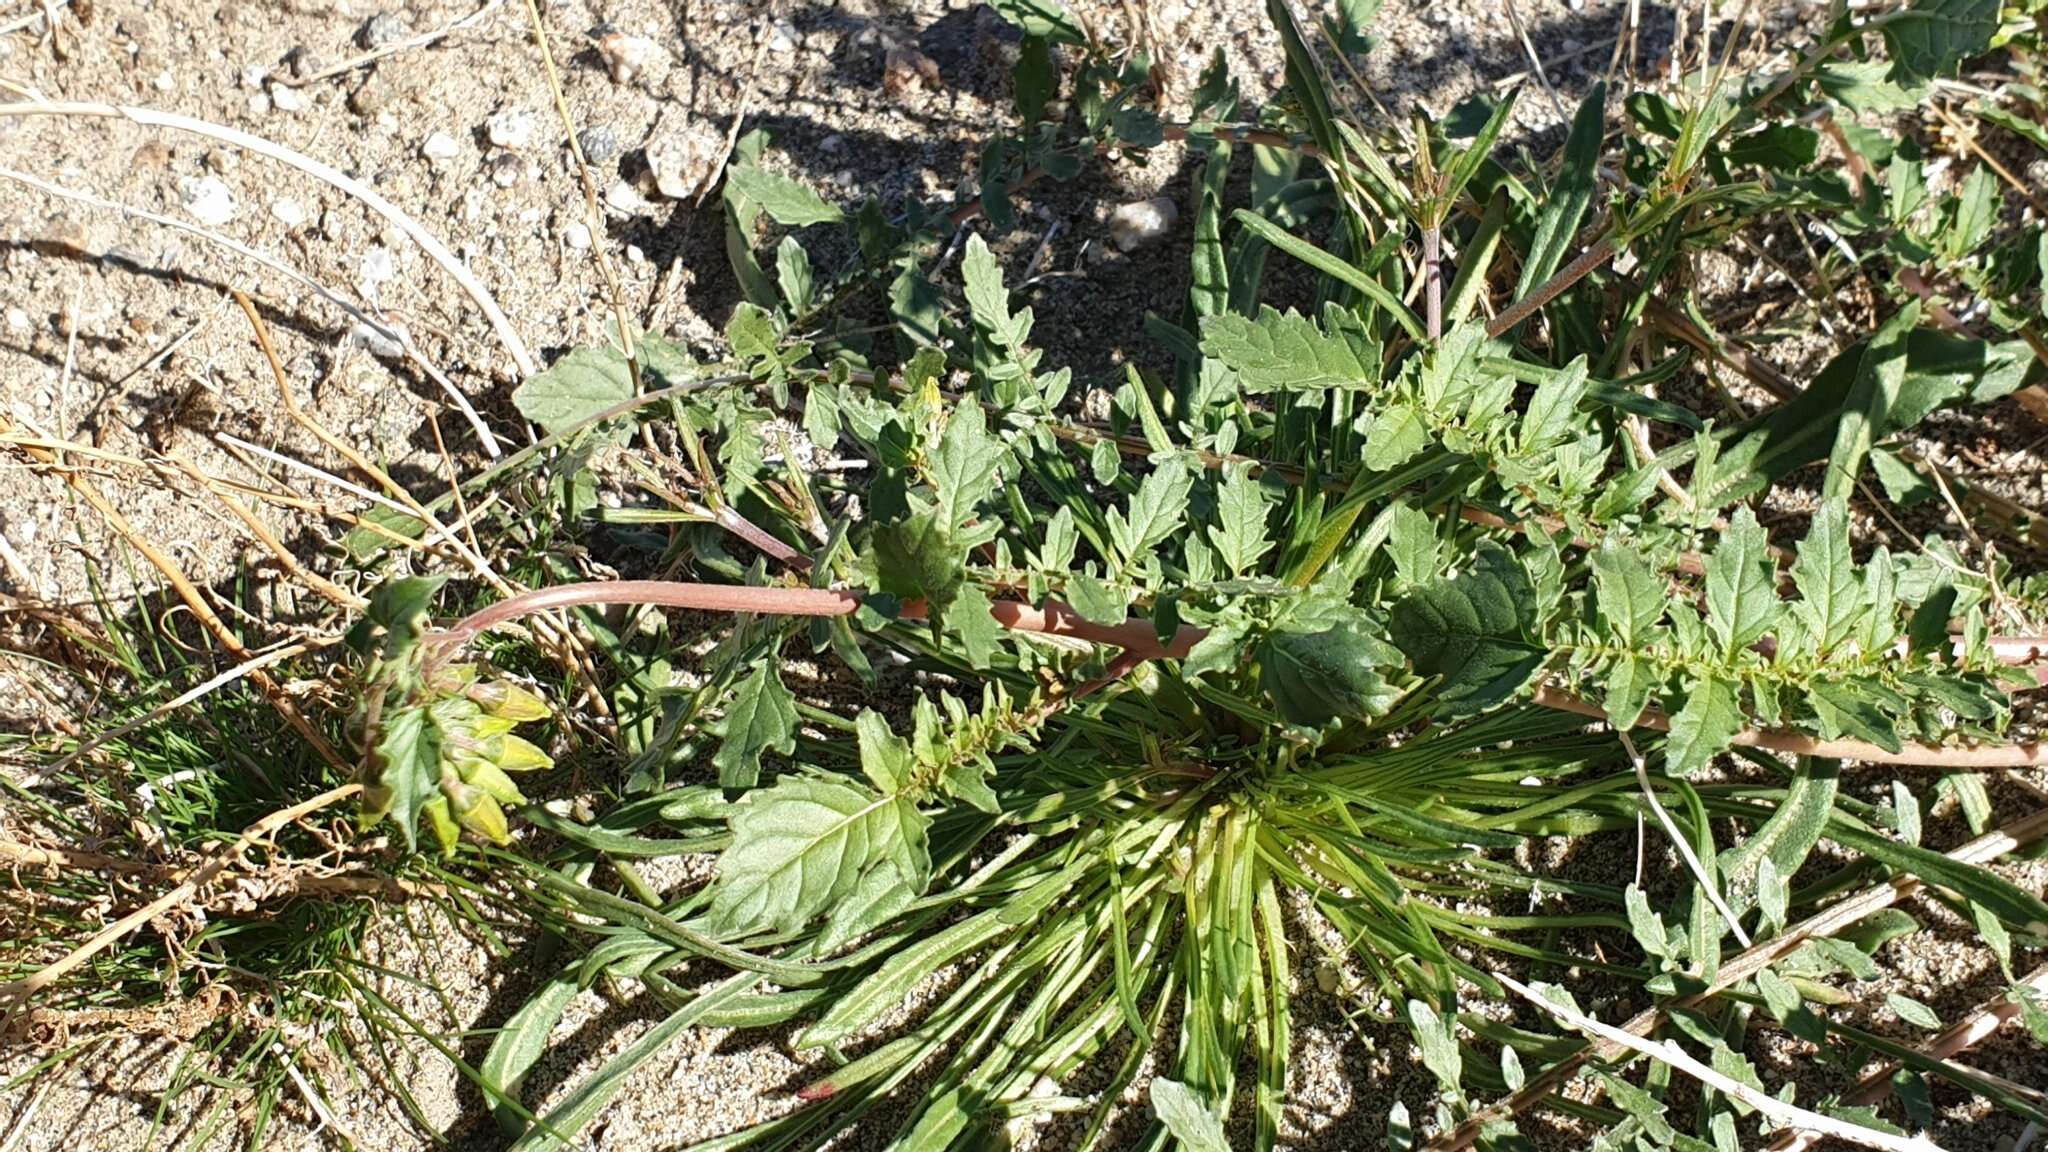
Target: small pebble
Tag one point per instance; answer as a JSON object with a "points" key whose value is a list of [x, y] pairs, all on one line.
{"points": [[303, 63], [378, 344], [254, 75], [782, 39], [625, 199], [287, 98], [634, 255], [18, 321], [1142, 222], [441, 146], [381, 29], [511, 128], [577, 236], [288, 212], [370, 96], [507, 170], [627, 56], [259, 104], [208, 201], [600, 144], [905, 69], [681, 161], [378, 265], [164, 82], [833, 143]]}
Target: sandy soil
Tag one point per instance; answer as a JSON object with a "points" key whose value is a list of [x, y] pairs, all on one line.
{"points": [[120, 332]]}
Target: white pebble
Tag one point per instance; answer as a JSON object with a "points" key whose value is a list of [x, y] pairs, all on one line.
{"points": [[164, 82], [259, 104], [577, 236], [682, 161], [18, 321], [378, 344], [287, 98], [625, 199], [288, 212], [378, 265], [1142, 222], [441, 146], [208, 201], [254, 75], [782, 39], [511, 128], [626, 56]]}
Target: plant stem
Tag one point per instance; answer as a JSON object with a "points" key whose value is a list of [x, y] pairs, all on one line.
{"points": [[1433, 281], [1592, 258]]}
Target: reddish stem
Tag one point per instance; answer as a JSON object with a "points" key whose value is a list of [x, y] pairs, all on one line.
{"points": [[1140, 642]]}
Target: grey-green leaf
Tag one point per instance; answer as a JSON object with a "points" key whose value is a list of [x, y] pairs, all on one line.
{"points": [[1741, 593], [573, 389], [1282, 352], [1240, 531], [1188, 1117], [1474, 631], [805, 844], [761, 718], [1703, 728], [1629, 595], [790, 203]]}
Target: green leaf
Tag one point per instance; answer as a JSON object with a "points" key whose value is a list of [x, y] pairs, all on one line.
{"points": [[1474, 631], [1702, 729], [1867, 412], [1188, 1117], [916, 305], [1784, 840], [1644, 923], [791, 204], [917, 559], [1317, 676], [405, 770], [1846, 709], [1413, 544], [1931, 38], [1628, 592], [1913, 1011], [575, 388], [1398, 432], [1554, 408], [885, 757], [760, 718], [752, 336], [1333, 267], [967, 620], [1047, 19], [793, 274], [1097, 602], [1996, 895], [963, 469], [1629, 685], [1557, 226], [1240, 531], [1034, 81], [1861, 86], [805, 844], [987, 300], [520, 1044], [1742, 593], [1282, 352], [1438, 1040], [1825, 574], [1157, 511]]}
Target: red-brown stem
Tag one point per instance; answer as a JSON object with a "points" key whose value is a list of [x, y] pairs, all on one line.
{"points": [[1965, 756], [1433, 281], [1054, 619], [1600, 253], [1140, 642], [1872, 1089]]}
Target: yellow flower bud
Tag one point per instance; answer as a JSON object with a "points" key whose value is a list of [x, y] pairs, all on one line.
{"points": [[507, 700], [443, 824], [520, 755], [494, 782]]}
